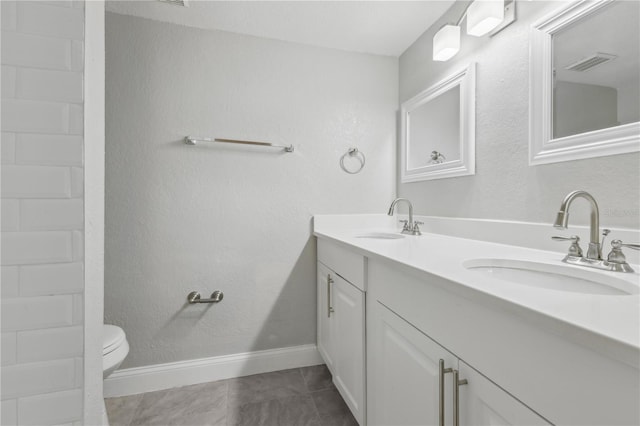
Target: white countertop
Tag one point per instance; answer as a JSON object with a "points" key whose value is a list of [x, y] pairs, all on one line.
{"points": [[607, 323]]}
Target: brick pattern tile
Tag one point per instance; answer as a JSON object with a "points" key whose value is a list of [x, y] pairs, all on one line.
{"points": [[42, 58]]}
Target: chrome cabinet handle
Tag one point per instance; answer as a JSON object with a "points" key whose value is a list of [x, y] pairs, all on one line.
{"points": [[329, 308], [441, 372], [456, 397]]}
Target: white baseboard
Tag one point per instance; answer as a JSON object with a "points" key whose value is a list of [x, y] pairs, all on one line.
{"points": [[136, 380]]}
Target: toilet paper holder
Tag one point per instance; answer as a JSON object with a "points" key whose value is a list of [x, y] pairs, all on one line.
{"points": [[194, 297]]}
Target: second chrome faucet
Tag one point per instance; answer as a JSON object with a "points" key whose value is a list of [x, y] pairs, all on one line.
{"points": [[410, 227], [615, 261], [562, 221]]}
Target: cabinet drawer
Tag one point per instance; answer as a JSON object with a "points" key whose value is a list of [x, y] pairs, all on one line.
{"points": [[347, 264]]}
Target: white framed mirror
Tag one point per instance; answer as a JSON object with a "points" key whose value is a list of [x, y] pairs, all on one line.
{"points": [[585, 82], [437, 129]]}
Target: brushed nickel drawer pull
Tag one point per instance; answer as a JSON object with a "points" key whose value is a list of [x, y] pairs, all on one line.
{"points": [[456, 397], [329, 307], [441, 372]]}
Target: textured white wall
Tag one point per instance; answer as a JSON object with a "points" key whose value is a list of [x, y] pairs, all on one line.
{"points": [[237, 219], [42, 212], [505, 186]]}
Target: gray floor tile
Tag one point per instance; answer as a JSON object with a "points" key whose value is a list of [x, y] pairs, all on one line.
{"points": [[120, 410], [179, 406], [281, 398], [290, 411], [264, 387], [332, 409], [210, 418], [317, 377]]}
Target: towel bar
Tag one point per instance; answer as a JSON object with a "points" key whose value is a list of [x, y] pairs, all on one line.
{"points": [[191, 140], [194, 297]]}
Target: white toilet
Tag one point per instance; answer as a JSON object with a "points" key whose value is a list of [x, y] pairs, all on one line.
{"points": [[114, 348]]}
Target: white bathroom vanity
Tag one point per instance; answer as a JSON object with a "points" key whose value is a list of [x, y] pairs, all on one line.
{"points": [[455, 328]]}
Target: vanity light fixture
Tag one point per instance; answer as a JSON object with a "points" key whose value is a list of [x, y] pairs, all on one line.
{"points": [[446, 43], [483, 16]]}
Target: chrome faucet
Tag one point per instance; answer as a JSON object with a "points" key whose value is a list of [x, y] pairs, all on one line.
{"points": [[562, 221], [410, 227], [615, 260]]}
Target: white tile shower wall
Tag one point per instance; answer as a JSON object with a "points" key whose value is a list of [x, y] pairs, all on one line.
{"points": [[237, 219], [505, 186], [42, 212], [50, 409], [8, 147]]}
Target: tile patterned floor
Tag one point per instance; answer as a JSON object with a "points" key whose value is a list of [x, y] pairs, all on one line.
{"points": [[297, 397]]}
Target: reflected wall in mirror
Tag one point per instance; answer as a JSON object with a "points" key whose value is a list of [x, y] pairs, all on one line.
{"points": [[438, 129], [597, 71], [434, 126], [585, 82]]}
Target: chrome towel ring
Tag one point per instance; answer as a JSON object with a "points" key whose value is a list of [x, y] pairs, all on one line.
{"points": [[353, 152]]}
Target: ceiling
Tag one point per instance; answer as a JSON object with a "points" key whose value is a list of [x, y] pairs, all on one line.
{"points": [[377, 27]]}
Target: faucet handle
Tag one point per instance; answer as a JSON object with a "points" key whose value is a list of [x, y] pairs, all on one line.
{"points": [[416, 228], [616, 255], [573, 238], [574, 249], [617, 244], [406, 225]]}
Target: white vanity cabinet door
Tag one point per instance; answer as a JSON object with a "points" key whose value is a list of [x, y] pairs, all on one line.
{"points": [[341, 337], [482, 403], [325, 341], [403, 372], [348, 337]]}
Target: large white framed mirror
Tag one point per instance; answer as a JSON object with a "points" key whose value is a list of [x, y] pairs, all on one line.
{"points": [[585, 82], [437, 129]]}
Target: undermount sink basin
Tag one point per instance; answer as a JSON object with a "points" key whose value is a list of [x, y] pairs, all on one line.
{"points": [[380, 235], [552, 277]]}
